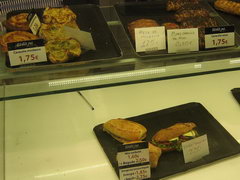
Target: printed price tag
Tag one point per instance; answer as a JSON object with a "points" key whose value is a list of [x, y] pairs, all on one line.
{"points": [[150, 39], [34, 23], [182, 40], [195, 149], [133, 161], [219, 37], [27, 52]]}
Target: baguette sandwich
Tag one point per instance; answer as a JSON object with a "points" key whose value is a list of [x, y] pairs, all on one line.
{"points": [[125, 130], [170, 139]]}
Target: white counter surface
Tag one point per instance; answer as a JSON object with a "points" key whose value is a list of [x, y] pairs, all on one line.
{"points": [[51, 137]]}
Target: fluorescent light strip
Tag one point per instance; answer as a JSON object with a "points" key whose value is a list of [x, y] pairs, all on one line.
{"points": [[98, 78]]}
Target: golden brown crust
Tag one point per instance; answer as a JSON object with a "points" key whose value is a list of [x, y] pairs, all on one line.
{"points": [[52, 31], [140, 23], [170, 25], [154, 155], [59, 51], [228, 6], [125, 130], [17, 22], [173, 131], [62, 15], [15, 36]]}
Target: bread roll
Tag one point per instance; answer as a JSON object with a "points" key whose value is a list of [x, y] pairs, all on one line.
{"points": [[140, 23], [125, 130]]}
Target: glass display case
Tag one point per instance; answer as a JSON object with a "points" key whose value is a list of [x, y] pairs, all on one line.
{"points": [[35, 134]]}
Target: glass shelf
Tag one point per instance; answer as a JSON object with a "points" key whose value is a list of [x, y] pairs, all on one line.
{"points": [[129, 68]]}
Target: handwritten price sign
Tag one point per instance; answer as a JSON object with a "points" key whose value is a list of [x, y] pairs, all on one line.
{"points": [[217, 37], [182, 40], [195, 149], [150, 39], [133, 161], [26, 52]]}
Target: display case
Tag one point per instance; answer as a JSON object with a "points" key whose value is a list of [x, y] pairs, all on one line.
{"points": [[49, 112]]}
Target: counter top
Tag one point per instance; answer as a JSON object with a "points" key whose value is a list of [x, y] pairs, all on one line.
{"points": [[51, 137]]}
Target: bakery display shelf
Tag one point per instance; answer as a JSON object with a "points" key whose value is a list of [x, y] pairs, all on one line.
{"points": [[221, 143], [129, 12], [236, 94], [89, 19], [127, 69]]}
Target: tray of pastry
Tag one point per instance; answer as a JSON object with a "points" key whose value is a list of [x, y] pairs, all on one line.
{"points": [[229, 10], [86, 17], [171, 161], [236, 94], [172, 14]]}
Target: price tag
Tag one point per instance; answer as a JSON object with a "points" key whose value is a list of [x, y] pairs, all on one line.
{"points": [[27, 52], [182, 40], [34, 23], [219, 37], [133, 161], [195, 149], [150, 39]]}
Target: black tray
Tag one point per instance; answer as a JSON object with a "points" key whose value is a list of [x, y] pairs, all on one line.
{"points": [[221, 143], [129, 12], [236, 94], [90, 19]]}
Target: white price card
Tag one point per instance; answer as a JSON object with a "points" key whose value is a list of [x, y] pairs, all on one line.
{"points": [[182, 40], [217, 37], [133, 161], [34, 23], [195, 149], [27, 52], [150, 39]]}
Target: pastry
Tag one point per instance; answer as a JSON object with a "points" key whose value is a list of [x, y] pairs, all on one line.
{"points": [[228, 6], [62, 16], [15, 36], [140, 23], [52, 31], [59, 51], [170, 25], [17, 22], [174, 5]]}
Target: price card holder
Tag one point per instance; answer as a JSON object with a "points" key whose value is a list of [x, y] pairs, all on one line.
{"points": [[182, 40], [34, 22], [133, 161], [150, 39], [27, 52], [217, 37], [195, 149]]}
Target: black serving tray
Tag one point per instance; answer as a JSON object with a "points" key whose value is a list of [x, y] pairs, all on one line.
{"points": [[90, 19], [221, 143], [129, 12], [236, 94]]}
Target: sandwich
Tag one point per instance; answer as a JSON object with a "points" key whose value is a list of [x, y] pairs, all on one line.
{"points": [[154, 153], [171, 138], [125, 130]]}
